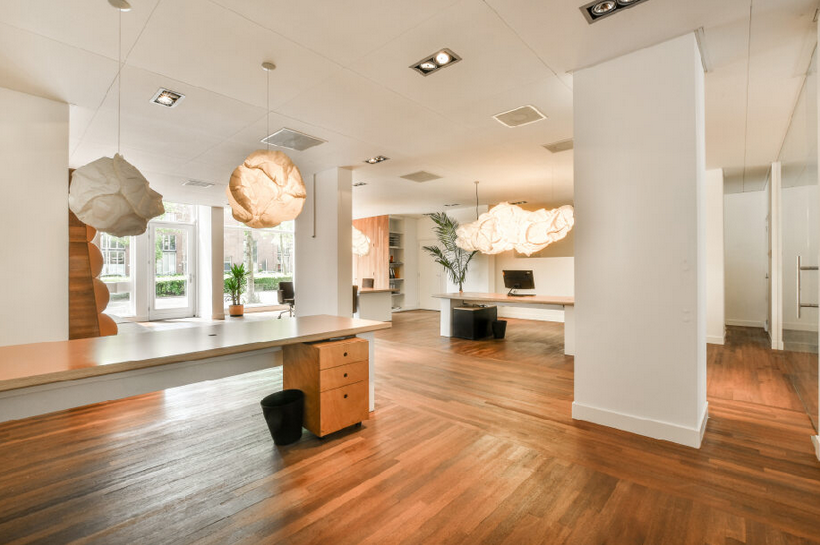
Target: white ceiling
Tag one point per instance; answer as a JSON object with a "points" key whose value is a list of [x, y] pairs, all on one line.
{"points": [[342, 75]]}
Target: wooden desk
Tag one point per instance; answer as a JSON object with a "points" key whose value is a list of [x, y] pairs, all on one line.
{"points": [[45, 377], [551, 302]]}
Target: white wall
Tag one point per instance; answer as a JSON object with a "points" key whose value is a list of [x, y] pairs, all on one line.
{"points": [[323, 271], [411, 264], [745, 250], [715, 281], [210, 262], [640, 293], [33, 219]]}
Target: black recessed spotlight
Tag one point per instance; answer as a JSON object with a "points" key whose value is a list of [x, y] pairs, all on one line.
{"points": [[435, 62], [359, 184], [604, 8], [376, 159], [452, 204]]}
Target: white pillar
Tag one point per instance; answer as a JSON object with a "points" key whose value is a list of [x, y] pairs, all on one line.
{"points": [[33, 219], [640, 312], [715, 300], [210, 262], [324, 256]]}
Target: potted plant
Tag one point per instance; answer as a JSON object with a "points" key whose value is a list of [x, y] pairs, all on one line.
{"points": [[454, 259], [234, 287]]}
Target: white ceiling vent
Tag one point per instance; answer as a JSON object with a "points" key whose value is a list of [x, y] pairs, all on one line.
{"points": [[561, 145], [290, 139], [198, 183], [519, 116], [421, 176]]}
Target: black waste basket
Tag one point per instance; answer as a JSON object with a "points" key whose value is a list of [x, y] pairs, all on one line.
{"points": [[499, 328], [283, 413]]}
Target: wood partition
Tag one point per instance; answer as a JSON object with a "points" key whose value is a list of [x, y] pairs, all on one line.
{"points": [[375, 264], [87, 295]]}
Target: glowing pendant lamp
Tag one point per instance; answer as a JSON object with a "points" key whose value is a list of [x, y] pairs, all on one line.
{"points": [[267, 188]]}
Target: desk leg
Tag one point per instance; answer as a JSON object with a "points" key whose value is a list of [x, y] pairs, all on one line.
{"points": [[447, 306], [569, 330], [371, 372]]}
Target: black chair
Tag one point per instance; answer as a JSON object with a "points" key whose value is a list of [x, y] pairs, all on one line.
{"points": [[286, 297], [355, 299]]}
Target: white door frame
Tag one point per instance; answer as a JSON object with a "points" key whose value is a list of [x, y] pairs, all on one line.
{"points": [[184, 312]]}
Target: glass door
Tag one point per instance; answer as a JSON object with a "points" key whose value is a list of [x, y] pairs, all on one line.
{"points": [[173, 264]]}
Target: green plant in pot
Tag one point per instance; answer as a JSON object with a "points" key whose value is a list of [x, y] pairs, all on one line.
{"points": [[235, 286], [449, 255]]}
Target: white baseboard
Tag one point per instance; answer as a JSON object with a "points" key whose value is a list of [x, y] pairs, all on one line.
{"points": [[800, 327], [523, 313], [746, 323], [715, 339], [656, 429], [815, 439]]}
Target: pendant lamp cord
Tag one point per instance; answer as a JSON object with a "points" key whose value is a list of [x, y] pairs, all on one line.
{"points": [[119, 83], [476, 199], [267, 109]]}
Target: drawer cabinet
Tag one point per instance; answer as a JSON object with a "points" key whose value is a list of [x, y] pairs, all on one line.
{"points": [[334, 377]]}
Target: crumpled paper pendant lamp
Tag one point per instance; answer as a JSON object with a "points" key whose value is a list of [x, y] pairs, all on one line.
{"points": [[509, 227], [361, 243], [112, 196], [266, 189]]}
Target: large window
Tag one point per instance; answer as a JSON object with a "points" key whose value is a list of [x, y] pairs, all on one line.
{"points": [[116, 272], [267, 255]]}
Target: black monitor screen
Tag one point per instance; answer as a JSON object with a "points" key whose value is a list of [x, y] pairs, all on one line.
{"points": [[519, 280]]}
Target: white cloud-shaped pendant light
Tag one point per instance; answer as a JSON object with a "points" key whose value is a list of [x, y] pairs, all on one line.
{"points": [[266, 190], [112, 196], [509, 227], [361, 243]]}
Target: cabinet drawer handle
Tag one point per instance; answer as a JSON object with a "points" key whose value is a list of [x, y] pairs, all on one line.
{"points": [[345, 354], [345, 396], [345, 375]]}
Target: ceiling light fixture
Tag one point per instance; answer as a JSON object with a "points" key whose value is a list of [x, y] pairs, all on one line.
{"points": [[198, 183], [121, 5], [452, 204], [376, 159], [359, 184], [361, 243], [604, 8], [436, 61], [267, 188], [517, 203], [167, 98]]}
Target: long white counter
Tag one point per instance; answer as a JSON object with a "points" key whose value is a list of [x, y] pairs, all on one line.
{"points": [[45, 377]]}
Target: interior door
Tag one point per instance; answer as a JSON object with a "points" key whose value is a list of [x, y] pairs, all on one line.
{"points": [[431, 278], [172, 264]]}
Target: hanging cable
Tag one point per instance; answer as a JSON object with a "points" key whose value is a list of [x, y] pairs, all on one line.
{"points": [[267, 110], [746, 116], [119, 82], [476, 199]]}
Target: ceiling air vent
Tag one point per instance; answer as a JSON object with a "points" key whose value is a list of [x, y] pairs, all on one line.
{"points": [[421, 176], [561, 145], [198, 183], [519, 116], [290, 139]]}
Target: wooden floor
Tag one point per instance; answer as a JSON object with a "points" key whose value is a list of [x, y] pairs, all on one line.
{"points": [[471, 442]]}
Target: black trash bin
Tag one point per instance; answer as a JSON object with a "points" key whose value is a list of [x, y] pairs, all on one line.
{"points": [[499, 328], [283, 413]]}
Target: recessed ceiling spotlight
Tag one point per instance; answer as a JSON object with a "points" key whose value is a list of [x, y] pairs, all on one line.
{"points": [[435, 62], [376, 159], [121, 5], [167, 98], [198, 183], [517, 203], [359, 184], [452, 204], [604, 8]]}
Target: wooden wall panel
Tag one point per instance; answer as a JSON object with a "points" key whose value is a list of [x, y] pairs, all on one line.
{"points": [[375, 264]]}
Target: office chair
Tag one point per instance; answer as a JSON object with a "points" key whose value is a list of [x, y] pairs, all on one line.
{"points": [[286, 297], [355, 299]]}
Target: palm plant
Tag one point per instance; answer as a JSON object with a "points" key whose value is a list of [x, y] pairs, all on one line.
{"points": [[235, 284], [455, 260]]}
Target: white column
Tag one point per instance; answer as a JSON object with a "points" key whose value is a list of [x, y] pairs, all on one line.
{"points": [[33, 219], [640, 309], [715, 300], [775, 260], [210, 258], [324, 257]]}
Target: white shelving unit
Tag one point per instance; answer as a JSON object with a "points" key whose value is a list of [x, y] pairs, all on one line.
{"points": [[396, 242]]}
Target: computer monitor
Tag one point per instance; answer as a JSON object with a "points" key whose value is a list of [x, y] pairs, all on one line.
{"points": [[518, 280]]}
